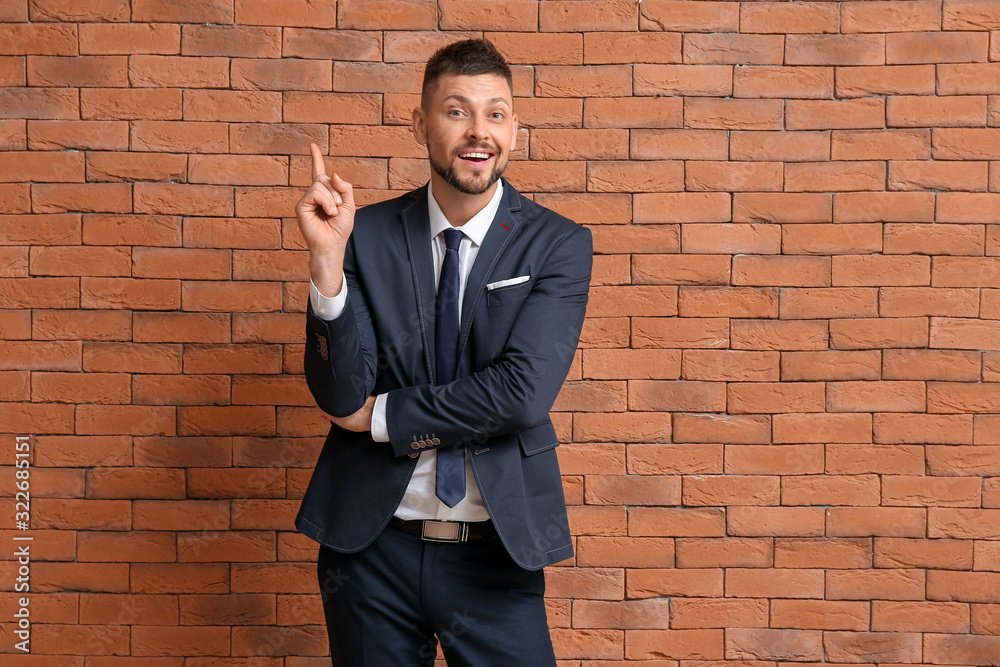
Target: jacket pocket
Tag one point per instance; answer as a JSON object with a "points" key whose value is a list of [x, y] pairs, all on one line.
{"points": [[508, 294], [537, 438]]}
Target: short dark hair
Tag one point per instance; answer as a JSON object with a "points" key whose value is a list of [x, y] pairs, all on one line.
{"points": [[471, 57]]}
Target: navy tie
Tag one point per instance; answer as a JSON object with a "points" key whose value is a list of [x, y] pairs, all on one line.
{"points": [[450, 473]]}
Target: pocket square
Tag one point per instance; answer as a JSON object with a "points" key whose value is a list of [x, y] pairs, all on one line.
{"points": [[508, 282]]}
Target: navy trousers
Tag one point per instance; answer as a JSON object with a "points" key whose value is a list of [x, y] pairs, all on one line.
{"points": [[392, 603]]}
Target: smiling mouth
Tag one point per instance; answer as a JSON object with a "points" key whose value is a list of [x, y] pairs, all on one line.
{"points": [[475, 157]]}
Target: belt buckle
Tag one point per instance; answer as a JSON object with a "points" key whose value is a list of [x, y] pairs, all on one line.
{"points": [[444, 531]]}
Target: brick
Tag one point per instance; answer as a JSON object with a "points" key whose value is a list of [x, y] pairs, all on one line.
{"points": [[931, 364], [962, 586], [887, 80], [634, 176], [121, 166], [643, 552], [729, 365], [674, 522], [922, 428], [734, 49], [835, 50], [186, 137], [877, 521], [681, 80], [881, 271], [777, 17], [798, 82], [852, 459], [824, 303], [240, 41], [79, 388], [839, 239], [916, 301], [820, 614], [960, 397], [727, 302], [919, 111], [94, 10], [294, 13], [247, 358], [774, 644], [718, 613], [836, 176], [583, 81], [717, 552], [896, 646], [747, 521], [736, 429], [130, 104], [131, 230], [678, 145], [130, 419], [51, 39], [854, 334], [682, 207], [180, 71], [631, 364], [90, 197], [682, 16], [614, 47], [388, 14], [419, 46], [937, 553], [72, 261], [786, 335], [138, 483], [760, 397], [935, 47], [651, 582], [587, 16], [169, 11], [823, 552], [788, 583], [232, 609], [734, 176], [827, 427], [81, 324], [943, 238], [931, 491], [579, 144], [880, 144], [913, 16], [967, 78], [781, 270], [130, 38], [622, 427], [38, 166], [111, 608], [892, 616], [13, 135], [59, 134], [274, 74], [773, 459], [686, 332], [232, 105], [512, 15], [782, 207], [965, 649], [674, 459], [835, 115]]}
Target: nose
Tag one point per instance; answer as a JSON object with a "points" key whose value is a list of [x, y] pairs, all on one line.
{"points": [[477, 128]]}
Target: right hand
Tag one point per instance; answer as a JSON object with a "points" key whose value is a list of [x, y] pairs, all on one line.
{"points": [[326, 210], [326, 219]]}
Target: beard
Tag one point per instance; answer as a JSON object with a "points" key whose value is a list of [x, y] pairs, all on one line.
{"points": [[469, 186]]}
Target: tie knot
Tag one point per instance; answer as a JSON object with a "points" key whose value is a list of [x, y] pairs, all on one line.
{"points": [[452, 237]]}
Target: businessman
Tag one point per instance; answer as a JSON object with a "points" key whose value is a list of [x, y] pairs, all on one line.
{"points": [[440, 328]]}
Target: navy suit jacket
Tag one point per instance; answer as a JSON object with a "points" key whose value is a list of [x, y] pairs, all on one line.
{"points": [[515, 348]]}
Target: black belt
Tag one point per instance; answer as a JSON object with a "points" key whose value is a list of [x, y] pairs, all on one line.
{"points": [[446, 531]]}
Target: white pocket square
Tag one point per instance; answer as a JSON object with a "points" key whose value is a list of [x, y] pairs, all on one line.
{"points": [[508, 282]]}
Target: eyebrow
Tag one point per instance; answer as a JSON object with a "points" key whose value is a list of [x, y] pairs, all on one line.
{"points": [[465, 100]]}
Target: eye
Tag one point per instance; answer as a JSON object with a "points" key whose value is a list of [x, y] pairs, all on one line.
{"points": [[455, 112], [497, 115]]}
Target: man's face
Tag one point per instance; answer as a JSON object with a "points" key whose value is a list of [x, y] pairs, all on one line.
{"points": [[469, 128]]}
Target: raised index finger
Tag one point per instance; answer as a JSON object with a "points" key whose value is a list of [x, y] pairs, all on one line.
{"points": [[317, 160]]}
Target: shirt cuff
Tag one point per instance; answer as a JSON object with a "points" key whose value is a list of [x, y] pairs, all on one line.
{"points": [[327, 307], [380, 431]]}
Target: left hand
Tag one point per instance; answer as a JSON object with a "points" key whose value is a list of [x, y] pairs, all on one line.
{"points": [[360, 421]]}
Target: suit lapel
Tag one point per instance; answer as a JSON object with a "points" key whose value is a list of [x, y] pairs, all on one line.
{"points": [[501, 230], [417, 230]]}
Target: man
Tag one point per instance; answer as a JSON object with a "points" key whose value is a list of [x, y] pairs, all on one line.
{"points": [[441, 326]]}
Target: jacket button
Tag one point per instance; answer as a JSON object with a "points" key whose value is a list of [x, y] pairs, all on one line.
{"points": [[436, 441], [413, 455], [423, 444], [414, 445]]}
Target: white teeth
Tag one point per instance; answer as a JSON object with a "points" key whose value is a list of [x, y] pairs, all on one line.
{"points": [[482, 156]]}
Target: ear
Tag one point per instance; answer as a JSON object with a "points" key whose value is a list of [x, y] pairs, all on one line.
{"points": [[419, 126]]}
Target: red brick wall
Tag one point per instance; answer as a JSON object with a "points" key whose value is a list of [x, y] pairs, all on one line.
{"points": [[778, 439]]}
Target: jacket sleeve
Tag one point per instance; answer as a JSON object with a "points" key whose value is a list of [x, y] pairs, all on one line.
{"points": [[340, 354], [517, 391]]}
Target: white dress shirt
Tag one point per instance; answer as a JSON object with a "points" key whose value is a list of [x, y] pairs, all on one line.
{"points": [[420, 500]]}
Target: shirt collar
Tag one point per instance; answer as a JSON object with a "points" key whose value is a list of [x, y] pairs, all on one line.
{"points": [[476, 227]]}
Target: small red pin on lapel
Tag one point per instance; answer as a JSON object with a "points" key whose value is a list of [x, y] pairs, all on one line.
{"points": [[505, 226]]}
